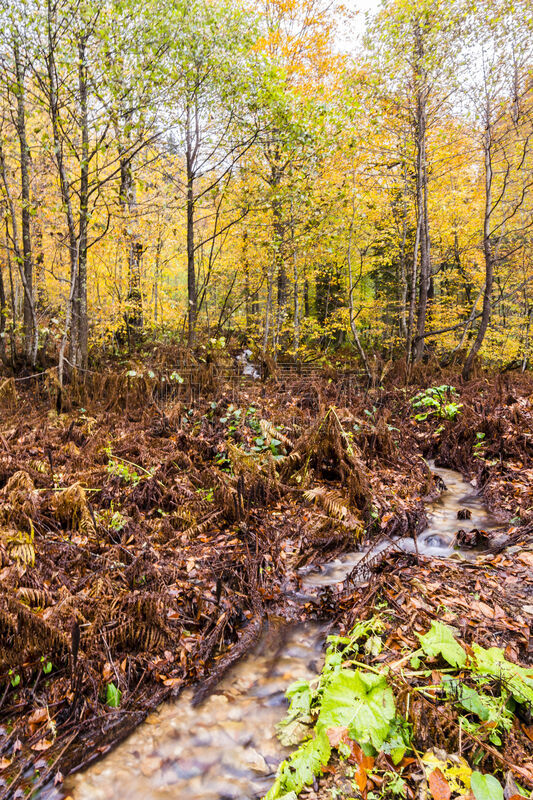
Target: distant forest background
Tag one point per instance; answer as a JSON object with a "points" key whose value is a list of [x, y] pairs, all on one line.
{"points": [[199, 172]]}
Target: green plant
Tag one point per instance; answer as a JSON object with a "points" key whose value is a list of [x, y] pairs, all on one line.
{"points": [[113, 695], [479, 445], [436, 401], [124, 469], [207, 494], [347, 696], [46, 665], [232, 418], [393, 784], [352, 704], [14, 678], [486, 787], [112, 519]]}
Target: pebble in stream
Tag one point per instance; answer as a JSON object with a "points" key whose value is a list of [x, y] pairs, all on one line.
{"points": [[226, 747]]}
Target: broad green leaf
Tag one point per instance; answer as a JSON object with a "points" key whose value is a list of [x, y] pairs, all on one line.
{"points": [[486, 787], [440, 641], [363, 702], [113, 695], [467, 697], [518, 680]]}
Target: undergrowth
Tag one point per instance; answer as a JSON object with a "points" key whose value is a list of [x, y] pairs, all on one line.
{"points": [[359, 709]]}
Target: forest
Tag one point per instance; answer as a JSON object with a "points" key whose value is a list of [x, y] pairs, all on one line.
{"points": [[266, 399]]}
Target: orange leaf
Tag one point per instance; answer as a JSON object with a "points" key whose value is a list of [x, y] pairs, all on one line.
{"points": [[528, 730], [337, 735], [42, 744], [360, 777], [439, 786], [38, 716]]}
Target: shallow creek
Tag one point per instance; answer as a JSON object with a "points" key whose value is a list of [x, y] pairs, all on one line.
{"points": [[437, 539], [226, 749]]}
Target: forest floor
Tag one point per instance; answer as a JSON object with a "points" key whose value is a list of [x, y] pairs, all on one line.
{"points": [[146, 538]]}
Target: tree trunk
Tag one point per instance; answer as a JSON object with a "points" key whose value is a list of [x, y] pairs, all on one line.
{"points": [[19, 258], [422, 198], [351, 289], [128, 199], [192, 289], [488, 255], [421, 192], [53, 108], [30, 334], [3, 311], [83, 323]]}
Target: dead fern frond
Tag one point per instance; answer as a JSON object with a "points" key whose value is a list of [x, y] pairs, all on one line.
{"points": [[270, 432], [26, 634], [329, 449], [20, 495], [71, 508], [133, 635], [40, 466], [202, 526], [330, 499], [35, 598], [20, 548], [185, 515], [241, 462]]}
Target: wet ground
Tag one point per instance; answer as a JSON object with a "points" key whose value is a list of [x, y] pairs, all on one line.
{"points": [[227, 747]]}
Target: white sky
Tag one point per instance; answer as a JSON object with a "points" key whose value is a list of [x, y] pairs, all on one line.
{"points": [[350, 35]]}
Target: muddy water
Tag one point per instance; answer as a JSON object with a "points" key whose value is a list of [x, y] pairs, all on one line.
{"points": [[227, 749]]}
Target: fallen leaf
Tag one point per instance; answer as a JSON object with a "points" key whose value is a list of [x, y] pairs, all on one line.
{"points": [[38, 716], [439, 786], [483, 609], [172, 681], [528, 730], [42, 744]]}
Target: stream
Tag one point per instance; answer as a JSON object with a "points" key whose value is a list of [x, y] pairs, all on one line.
{"points": [[226, 748]]}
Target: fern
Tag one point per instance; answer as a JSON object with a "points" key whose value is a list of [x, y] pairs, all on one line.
{"points": [[330, 499], [21, 549], [270, 432]]}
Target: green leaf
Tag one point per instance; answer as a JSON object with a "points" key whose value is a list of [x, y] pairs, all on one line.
{"points": [[467, 697], [295, 727], [485, 787], [113, 696], [300, 769], [518, 680], [363, 702], [440, 641]]}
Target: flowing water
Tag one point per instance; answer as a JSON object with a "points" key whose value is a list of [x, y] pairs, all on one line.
{"points": [[227, 749], [438, 539]]}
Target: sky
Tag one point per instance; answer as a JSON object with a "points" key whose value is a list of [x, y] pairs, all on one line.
{"points": [[356, 29]]}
